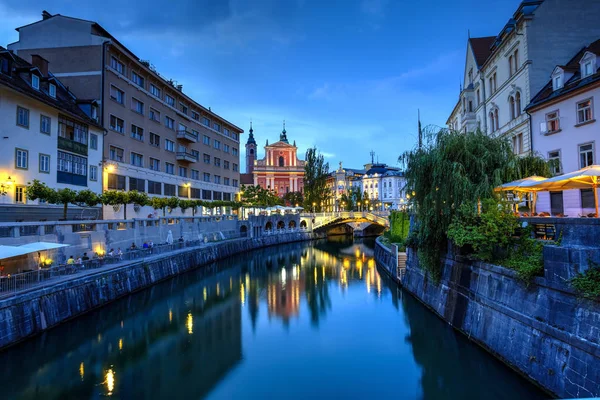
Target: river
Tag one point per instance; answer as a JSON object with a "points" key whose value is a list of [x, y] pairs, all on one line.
{"points": [[297, 321]]}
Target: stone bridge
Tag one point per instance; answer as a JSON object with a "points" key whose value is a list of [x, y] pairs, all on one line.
{"points": [[358, 223]]}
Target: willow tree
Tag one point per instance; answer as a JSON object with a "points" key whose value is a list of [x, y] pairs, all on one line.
{"points": [[316, 171], [451, 169]]}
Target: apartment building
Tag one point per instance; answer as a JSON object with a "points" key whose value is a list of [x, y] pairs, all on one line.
{"points": [[503, 72], [45, 134], [563, 121], [159, 140]]}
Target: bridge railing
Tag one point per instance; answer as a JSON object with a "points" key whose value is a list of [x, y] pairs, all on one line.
{"points": [[322, 219]]}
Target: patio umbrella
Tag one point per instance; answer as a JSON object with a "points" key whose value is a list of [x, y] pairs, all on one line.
{"points": [[584, 178], [521, 185], [40, 246]]}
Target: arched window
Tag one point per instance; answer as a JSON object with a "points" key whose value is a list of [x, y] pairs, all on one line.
{"points": [[492, 124], [281, 161], [511, 103], [518, 104], [497, 119], [251, 151]]}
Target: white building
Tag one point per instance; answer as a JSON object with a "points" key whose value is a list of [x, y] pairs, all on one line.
{"points": [[44, 135], [384, 187], [502, 73], [563, 118]]}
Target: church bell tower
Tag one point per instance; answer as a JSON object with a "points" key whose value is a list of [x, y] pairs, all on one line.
{"points": [[250, 151]]}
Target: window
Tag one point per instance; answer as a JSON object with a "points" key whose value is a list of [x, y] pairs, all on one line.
{"points": [[137, 133], [225, 164], [116, 182], [234, 151], [137, 79], [154, 115], [226, 181], [225, 148], [169, 190], [20, 195], [206, 177], [491, 81], [234, 183], [3, 65], [518, 104], [154, 187], [518, 143], [217, 162], [93, 173], [154, 164], [216, 144], [226, 131], [496, 119], [170, 100], [137, 184], [584, 111], [45, 163], [194, 193], [23, 117], [71, 164], [587, 69], [217, 127], [235, 167], [136, 159], [554, 162], [182, 128], [206, 158], [195, 174], [234, 136], [557, 82], [516, 60], [35, 82], [155, 91], [205, 121], [93, 141], [45, 124], [552, 122], [116, 65], [182, 191], [154, 140], [470, 106], [183, 108], [511, 103], [281, 161], [21, 159], [169, 122], [587, 198], [195, 115], [52, 90], [217, 179], [478, 98], [115, 153], [206, 195], [492, 122], [206, 140], [183, 172], [117, 124], [117, 94], [586, 155], [137, 106], [471, 75], [169, 145], [69, 129], [170, 168]]}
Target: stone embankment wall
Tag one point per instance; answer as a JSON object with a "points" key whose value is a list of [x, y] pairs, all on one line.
{"points": [[387, 258], [33, 312], [543, 330]]}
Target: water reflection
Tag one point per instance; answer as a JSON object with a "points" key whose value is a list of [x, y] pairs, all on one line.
{"points": [[261, 327]]}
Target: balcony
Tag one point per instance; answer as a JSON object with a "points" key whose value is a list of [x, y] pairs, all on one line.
{"points": [[186, 156], [72, 146], [187, 136]]}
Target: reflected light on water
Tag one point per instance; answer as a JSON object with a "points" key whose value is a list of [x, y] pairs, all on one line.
{"points": [[205, 294], [242, 294], [81, 370], [170, 315], [110, 381], [121, 344], [189, 323]]}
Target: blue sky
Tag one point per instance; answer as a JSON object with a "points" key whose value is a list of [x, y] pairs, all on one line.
{"points": [[347, 75]]}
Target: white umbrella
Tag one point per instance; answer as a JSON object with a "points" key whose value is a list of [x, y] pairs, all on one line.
{"points": [[13, 251], [40, 246], [521, 186], [582, 179]]}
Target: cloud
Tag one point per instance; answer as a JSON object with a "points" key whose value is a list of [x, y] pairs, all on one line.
{"points": [[374, 8]]}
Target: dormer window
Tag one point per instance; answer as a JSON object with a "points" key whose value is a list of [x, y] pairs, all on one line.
{"points": [[588, 65], [4, 65], [557, 83], [35, 82], [52, 90]]}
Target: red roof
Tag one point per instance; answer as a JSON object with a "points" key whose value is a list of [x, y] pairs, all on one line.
{"points": [[482, 48]]}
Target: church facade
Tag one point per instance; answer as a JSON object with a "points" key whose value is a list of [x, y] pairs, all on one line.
{"points": [[280, 169]]}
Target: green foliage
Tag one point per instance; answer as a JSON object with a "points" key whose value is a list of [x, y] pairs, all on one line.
{"points": [[293, 198], [172, 202], [185, 204], [256, 196], [587, 283], [316, 171], [452, 169], [87, 197], [37, 190], [351, 197], [139, 198], [399, 226]]}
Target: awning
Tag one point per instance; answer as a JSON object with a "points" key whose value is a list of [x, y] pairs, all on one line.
{"points": [[12, 251], [40, 246], [521, 185]]}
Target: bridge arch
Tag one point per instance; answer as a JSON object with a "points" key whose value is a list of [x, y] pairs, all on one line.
{"points": [[303, 224], [292, 224], [269, 226], [280, 225]]}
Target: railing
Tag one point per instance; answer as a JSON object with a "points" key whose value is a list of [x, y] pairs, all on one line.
{"points": [[45, 276], [73, 146], [322, 219], [189, 136], [185, 156]]}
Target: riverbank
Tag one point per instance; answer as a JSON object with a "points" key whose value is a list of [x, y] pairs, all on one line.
{"points": [[543, 331], [38, 310]]}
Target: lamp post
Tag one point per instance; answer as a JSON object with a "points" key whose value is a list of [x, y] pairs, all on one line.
{"points": [[358, 206], [5, 187], [313, 204]]}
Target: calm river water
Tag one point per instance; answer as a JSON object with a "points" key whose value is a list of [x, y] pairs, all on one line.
{"points": [[299, 321]]}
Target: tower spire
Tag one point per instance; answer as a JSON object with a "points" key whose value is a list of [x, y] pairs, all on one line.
{"points": [[251, 135], [283, 136], [372, 157]]}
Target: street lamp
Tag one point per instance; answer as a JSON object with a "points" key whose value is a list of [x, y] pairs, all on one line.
{"points": [[314, 204], [5, 187], [358, 206]]}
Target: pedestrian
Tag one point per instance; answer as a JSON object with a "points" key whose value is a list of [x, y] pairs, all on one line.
{"points": [[71, 261], [145, 245], [151, 244], [120, 254], [79, 261], [133, 246], [181, 240], [111, 252], [85, 257]]}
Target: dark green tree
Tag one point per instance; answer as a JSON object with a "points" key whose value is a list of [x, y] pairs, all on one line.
{"points": [[316, 171]]}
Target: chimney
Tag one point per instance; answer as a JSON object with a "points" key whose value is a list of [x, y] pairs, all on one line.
{"points": [[41, 63], [46, 15], [180, 87]]}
